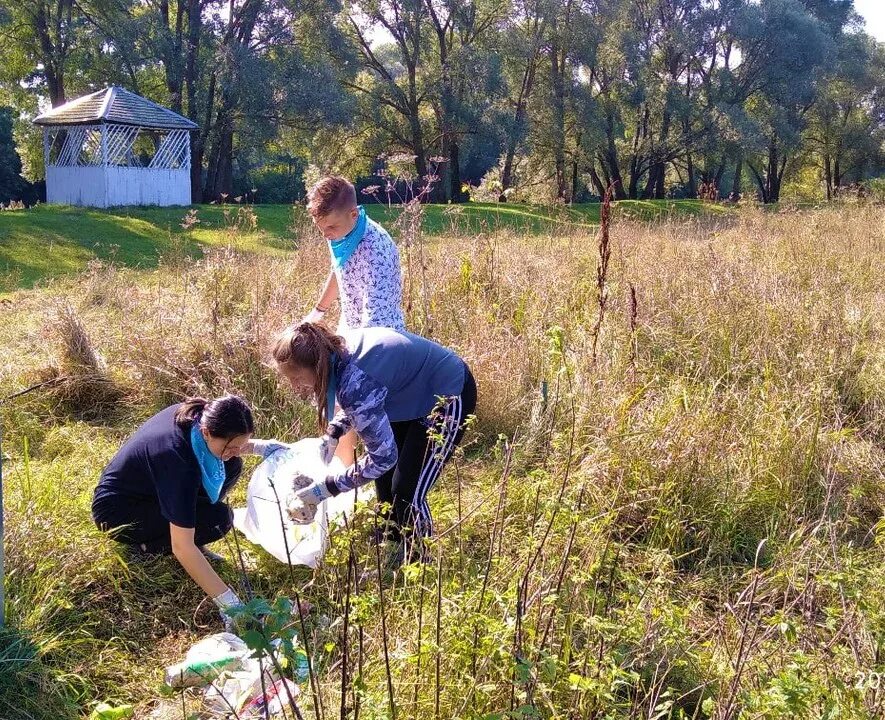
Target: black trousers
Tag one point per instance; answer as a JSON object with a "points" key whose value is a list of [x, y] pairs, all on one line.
{"points": [[141, 523], [424, 446]]}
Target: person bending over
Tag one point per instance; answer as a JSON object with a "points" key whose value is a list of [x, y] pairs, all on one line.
{"points": [[164, 490], [406, 397]]}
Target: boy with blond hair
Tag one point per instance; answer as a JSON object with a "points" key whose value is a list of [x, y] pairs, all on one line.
{"points": [[365, 276]]}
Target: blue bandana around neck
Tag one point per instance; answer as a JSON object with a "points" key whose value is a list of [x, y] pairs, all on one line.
{"points": [[211, 467], [332, 388], [345, 247]]}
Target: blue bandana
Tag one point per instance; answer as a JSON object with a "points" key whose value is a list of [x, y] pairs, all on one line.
{"points": [[345, 247], [332, 388], [211, 467]]}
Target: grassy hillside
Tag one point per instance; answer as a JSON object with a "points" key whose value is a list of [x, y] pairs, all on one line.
{"points": [[681, 517], [46, 241]]}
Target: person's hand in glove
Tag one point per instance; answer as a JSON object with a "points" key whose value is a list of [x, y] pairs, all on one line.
{"points": [[227, 602], [328, 445], [266, 448], [302, 505]]}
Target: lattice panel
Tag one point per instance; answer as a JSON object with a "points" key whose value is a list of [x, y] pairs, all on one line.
{"points": [[120, 139], [172, 154], [127, 146], [74, 146]]}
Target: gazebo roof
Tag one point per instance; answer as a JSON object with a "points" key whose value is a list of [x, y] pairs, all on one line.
{"points": [[118, 106]]}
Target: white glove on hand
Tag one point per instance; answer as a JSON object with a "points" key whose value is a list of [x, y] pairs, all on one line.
{"points": [[225, 602], [302, 504], [314, 316], [266, 448], [328, 445]]}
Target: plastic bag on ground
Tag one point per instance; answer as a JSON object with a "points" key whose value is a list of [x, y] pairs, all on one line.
{"points": [[264, 520], [207, 659], [239, 692]]}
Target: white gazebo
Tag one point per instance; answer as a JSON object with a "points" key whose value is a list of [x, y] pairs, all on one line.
{"points": [[113, 147]]}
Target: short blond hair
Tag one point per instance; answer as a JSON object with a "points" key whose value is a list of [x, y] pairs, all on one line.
{"points": [[330, 194]]}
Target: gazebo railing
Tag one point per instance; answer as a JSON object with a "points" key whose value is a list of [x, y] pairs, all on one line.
{"points": [[174, 151], [73, 146], [117, 146]]}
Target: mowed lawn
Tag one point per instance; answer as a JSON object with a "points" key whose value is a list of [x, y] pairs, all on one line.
{"points": [[47, 241]]}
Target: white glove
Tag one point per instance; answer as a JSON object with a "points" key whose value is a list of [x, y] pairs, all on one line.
{"points": [[226, 602], [327, 448], [266, 448], [314, 316], [314, 493], [301, 505]]}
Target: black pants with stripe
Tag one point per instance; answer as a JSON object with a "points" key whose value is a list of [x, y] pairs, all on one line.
{"points": [[424, 446]]}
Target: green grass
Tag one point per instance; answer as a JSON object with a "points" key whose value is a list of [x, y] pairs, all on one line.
{"points": [[706, 494], [47, 241]]}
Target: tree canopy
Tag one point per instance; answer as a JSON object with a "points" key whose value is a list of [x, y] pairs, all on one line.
{"points": [[533, 99]]}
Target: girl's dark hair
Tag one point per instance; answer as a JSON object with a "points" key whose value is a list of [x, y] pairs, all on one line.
{"points": [[310, 345], [225, 417]]}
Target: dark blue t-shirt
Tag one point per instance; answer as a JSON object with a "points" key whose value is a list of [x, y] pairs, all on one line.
{"points": [[157, 464]]}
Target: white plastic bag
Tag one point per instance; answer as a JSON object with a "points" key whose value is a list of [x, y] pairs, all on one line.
{"points": [[264, 520]]}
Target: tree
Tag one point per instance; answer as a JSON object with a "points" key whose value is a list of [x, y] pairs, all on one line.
{"points": [[393, 81], [845, 131], [457, 26], [39, 41], [522, 38], [785, 48], [12, 185]]}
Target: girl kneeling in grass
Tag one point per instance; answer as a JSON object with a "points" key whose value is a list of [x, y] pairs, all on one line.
{"points": [[405, 396], [163, 492]]}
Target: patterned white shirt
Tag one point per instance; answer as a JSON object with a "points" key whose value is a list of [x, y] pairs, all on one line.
{"points": [[370, 286]]}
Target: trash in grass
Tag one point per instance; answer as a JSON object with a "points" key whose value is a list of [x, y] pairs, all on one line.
{"points": [[206, 660], [223, 663]]}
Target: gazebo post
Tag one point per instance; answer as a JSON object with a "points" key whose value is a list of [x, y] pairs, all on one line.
{"points": [[104, 163]]}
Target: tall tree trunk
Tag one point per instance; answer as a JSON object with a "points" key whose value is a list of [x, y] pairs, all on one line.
{"points": [[574, 192], [416, 131], [720, 173], [692, 180], [557, 131], [525, 91], [237, 39], [455, 194], [633, 188], [51, 30], [761, 182], [828, 176], [655, 186], [774, 172], [609, 160], [220, 170], [171, 39], [194, 33], [598, 185], [417, 136], [736, 180]]}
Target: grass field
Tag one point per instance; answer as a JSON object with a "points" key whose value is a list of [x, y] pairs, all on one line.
{"points": [[46, 241], [671, 512]]}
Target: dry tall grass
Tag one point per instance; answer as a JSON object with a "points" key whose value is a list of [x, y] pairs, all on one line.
{"points": [[687, 525]]}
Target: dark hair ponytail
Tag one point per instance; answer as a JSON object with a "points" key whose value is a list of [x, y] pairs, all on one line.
{"points": [[224, 417], [310, 345]]}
